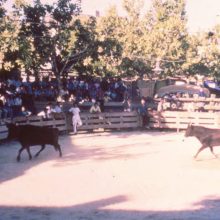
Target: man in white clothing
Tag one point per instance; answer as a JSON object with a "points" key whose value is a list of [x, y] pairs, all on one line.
{"points": [[76, 120]]}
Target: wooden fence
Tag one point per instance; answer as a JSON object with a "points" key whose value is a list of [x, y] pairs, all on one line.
{"points": [[122, 120], [57, 121], [180, 120], [110, 120], [3, 131]]}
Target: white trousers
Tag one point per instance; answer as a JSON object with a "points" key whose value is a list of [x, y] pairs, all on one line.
{"points": [[76, 120]]}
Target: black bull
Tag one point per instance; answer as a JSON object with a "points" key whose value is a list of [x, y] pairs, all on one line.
{"points": [[30, 135], [208, 137]]}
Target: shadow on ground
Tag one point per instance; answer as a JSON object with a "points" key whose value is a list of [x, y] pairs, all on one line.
{"points": [[72, 152], [207, 209], [10, 168]]}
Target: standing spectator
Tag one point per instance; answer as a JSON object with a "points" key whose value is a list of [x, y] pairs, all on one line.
{"points": [[43, 113], [76, 120], [160, 106], [49, 110], [127, 105], [17, 105], [9, 102], [3, 109], [143, 112], [201, 93]]}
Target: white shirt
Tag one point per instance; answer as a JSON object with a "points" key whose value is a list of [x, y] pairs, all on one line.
{"points": [[75, 111]]}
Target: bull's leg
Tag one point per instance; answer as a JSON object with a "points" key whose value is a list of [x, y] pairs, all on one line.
{"points": [[211, 149], [19, 153], [29, 152], [57, 146], [200, 149], [42, 148]]}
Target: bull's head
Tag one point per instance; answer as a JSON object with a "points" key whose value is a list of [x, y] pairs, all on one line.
{"points": [[189, 130], [12, 131]]}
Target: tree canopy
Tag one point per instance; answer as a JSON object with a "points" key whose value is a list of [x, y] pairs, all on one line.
{"points": [[59, 38]]}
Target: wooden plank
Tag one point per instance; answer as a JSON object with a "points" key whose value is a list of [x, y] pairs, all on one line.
{"points": [[167, 119], [124, 120], [3, 135], [3, 128], [61, 128]]}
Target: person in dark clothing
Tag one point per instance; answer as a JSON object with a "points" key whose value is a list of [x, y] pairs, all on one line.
{"points": [[143, 112]]}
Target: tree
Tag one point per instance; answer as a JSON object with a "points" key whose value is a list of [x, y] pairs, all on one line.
{"points": [[165, 36], [109, 32], [45, 36], [159, 35], [203, 54], [9, 33], [127, 32]]}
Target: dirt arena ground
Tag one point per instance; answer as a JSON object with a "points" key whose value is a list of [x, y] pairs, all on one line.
{"points": [[112, 176]]}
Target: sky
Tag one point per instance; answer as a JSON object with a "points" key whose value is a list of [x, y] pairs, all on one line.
{"points": [[202, 14]]}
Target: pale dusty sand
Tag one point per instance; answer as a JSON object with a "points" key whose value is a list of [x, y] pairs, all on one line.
{"points": [[111, 176]]}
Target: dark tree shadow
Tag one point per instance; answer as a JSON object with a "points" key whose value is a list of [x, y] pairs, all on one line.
{"points": [[207, 209]]}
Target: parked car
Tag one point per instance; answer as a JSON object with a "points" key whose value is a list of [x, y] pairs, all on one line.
{"points": [[182, 89], [172, 93], [213, 87]]}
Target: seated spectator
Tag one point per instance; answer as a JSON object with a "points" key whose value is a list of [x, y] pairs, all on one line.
{"points": [[24, 112], [56, 108], [95, 108], [46, 113], [43, 113], [106, 98]]}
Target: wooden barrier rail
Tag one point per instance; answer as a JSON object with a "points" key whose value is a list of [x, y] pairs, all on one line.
{"points": [[111, 120], [57, 121], [3, 131], [122, 120], [180, 120]]}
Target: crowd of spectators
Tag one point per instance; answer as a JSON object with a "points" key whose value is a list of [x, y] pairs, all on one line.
{"points": [[18, 96]]}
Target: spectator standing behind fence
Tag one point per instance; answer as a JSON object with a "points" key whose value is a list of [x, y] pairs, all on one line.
{"points": [[143, 112], [161, 105], [76, 120], [127, 105]]}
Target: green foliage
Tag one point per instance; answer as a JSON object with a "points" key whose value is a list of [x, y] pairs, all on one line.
{"points": [[56, 36], [160, 33], [203, 55]]}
